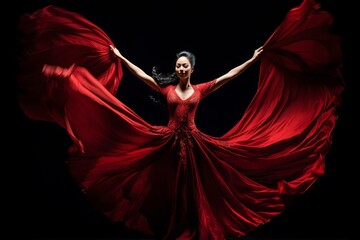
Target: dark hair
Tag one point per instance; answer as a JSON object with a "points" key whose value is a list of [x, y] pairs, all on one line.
{"points": [[165, 79], [189, 56]]}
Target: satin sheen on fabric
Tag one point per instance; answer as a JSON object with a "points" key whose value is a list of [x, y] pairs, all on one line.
{"points": [[174, 181]]}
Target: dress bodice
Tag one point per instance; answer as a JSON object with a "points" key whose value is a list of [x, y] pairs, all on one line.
{"points": [[182, 111]]}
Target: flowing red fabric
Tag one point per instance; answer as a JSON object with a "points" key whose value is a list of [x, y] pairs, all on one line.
{"points": [[175, 182], [58, 37]]}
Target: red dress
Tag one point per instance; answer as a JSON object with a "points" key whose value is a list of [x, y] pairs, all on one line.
{"points": [[174, 181]]}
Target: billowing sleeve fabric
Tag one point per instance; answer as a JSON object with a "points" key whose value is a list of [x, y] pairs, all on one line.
{"points": [[286, 130], [68, 75], [58, 37]]}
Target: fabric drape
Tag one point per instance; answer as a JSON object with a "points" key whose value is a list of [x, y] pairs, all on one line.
{"points": [[174, 181]]}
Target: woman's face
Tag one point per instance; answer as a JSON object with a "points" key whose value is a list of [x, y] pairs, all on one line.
{"points": [[183, 68]]}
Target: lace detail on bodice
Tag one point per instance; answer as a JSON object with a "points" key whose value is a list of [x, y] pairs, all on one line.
{"points": [[182, 111]]}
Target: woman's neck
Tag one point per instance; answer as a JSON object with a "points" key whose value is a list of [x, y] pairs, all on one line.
{"points": [[184, 84]]}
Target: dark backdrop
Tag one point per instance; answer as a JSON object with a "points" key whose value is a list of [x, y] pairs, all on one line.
{"points": [[44, 201]]}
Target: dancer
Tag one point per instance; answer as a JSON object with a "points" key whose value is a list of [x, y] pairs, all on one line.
{"points": [[174, 181]]}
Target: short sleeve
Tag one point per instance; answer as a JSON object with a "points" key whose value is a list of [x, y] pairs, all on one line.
{"points": [[206, 88], [164, 90]]}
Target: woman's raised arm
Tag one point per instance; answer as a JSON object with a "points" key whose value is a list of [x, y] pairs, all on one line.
{"points": [[138, 72]]}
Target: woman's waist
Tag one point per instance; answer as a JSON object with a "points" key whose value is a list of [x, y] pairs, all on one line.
{"points": [[185, 125]]}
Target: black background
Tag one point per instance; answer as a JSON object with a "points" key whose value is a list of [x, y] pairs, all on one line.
{"points": [[44, 202]]}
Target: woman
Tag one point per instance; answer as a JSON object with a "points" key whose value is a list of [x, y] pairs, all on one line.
{"points": [[183, 68], [175, 182]]}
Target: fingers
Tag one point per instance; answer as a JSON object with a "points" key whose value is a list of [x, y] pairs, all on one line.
{"points": [[259, 50]]}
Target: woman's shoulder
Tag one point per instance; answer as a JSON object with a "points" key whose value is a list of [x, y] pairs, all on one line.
{"points": [[165, 89], [204, 84], [205, 87]]}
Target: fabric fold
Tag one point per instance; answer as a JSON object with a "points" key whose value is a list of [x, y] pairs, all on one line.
{"points": [[175, 182]]}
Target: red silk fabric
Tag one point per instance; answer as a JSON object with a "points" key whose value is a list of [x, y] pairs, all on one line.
{"points": [[61, 38], [175, 182]]}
